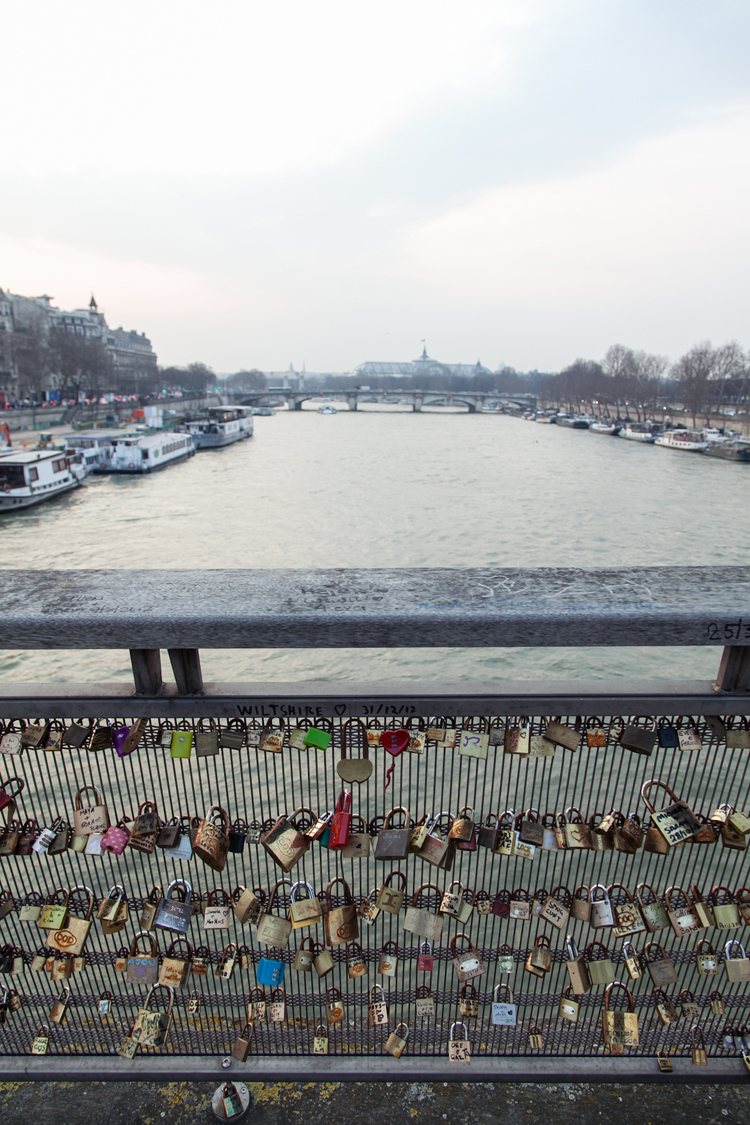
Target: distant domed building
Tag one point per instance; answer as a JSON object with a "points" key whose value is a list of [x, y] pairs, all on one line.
{"points": [[425, 365]]}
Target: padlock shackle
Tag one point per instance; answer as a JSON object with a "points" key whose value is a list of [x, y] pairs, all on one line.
{"points": [[397, 808], [171, 950], [715, 891], [382, 993], [90, 893], [134, 943], [301, 883], [626, 990], [421, 887], [646, 790], [507, 989], [348, 900], [218, 890], [454, 939], [459, 1023], [622, 888], [187, 890], [390, 952], [728, 954], [83, 789], [658, 945], [398, 874], [670, 891]]}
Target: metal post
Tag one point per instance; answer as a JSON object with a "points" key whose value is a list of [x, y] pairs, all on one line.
{"points": [[734, 670], [146, 663], [186, 665]]}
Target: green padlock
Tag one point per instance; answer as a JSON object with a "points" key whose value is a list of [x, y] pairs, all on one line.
{"points": [[326, 836], [182, 743], [320, 739]]}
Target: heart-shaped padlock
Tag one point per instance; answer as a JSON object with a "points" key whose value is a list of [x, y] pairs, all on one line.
{"points": [[394, 742], [354, 769]]}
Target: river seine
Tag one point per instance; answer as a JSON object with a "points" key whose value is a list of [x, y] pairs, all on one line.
{"points": [[386, 487]]}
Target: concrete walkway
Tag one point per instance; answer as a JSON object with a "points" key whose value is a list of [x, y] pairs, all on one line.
{"points": [[122, 1103]]}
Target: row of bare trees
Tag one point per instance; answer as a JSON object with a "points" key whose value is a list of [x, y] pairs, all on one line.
{"points": [[702, 381]]}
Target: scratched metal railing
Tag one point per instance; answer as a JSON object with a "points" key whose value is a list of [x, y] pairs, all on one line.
{"points": [[259, 786]]}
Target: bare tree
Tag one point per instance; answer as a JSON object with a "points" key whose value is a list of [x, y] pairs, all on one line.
{"points": [[692, 373], [33, 359]]}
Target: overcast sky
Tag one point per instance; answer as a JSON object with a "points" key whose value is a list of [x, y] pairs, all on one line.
{"points": [[254, 184]]}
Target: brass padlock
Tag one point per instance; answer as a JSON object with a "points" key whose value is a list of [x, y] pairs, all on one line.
{"points": [[688, 1005], [463, 826], [395, 1043], [320, 1040], [40, 1045], [665, 1009], [334, 1006], [536, 1039], [277, 1006], [661, 969], [388, 960], [377, 1010], [389, 898], [569, 1006], [356, 966], [459, 1050], [717, 1003], [706, 961], [241, 1047], [468, 1002], [665, 1064], [303, 958], [632, 961], [698, 1051], [424, 1004], [60, 1005]]}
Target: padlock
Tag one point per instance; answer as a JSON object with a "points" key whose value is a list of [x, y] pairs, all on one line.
{"points": [[520, 905], [285, 843], [227, 961], [211, 844], [46, 837], [304, 911], [665, 1065], [539, 960], [676, 823], [320, 1040], [487, 836], [150, 909], [577, 832], [517, 739], [632, 960], [682, 918], [128, 1046], [113, 911], [121, 960], [241, 1047], [599, 964], [277, 1006], [176, 965], [206, 742], [725, 909], [40, 1044], [143, 968], [356, 966], [246, 904], [60, 1005], [72, 937], [34, 734], [698, 1047], [562, 735], [339, 922], [706, 960], [550, 842], [175, 916], [270, 970], [688, 1005], [443, 735], [569, 1006], [425, 958], [580, 907], [317, 739], [505, 959], [357, 845], [303, 958], [452, 900], [377, 1010], [536, 1039], [716, 1001], [151, 1028], [272, 738], [388, 959], [256, 1008], [394, 843], [105, 1004], [599, 841], [216, 914], [194, 1003], [556, 907], [483, 903], [661, 969], [459, 1050], [506, 835], [733, 839], [334, 1007], [231, 1100], [468, 964], [654, 913], [341, 820], [639, 740], [92, 818], [54, 913], [504, 1013], [501, 903], [423, 1003], [689, 739], [473, 743], [530, 828], [322, 959], [233, 735], [391, 899], [183, 849], [665, 1009], [619, 1029], [395, 1043], [463, 826], [627, 915], [739, 821], [736, 968], [31, 911], [601, 914]]}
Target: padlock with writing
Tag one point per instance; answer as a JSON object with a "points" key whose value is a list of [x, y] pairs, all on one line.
{"points": [[632, 960], [231, 1100], [356, 966], [227, 961], [424, 1004], [175, 915], [504, 1011], [468, 1002], [320, 1040], [334, 1005], [660, 967], [388, 959], [377, 1009], [40, 1045], [241, 1047], [194, 1003], [459, 1049]]}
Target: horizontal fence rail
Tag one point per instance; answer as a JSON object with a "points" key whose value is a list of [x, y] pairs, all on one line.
{"points": [[475, 747]]}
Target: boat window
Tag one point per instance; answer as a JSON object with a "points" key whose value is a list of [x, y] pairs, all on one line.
{"points": [[59, 466], [33, 474], [11, 476], [144, 454]]}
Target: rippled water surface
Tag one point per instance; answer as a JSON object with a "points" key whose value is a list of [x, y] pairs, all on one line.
{"points": [[385, 487]]}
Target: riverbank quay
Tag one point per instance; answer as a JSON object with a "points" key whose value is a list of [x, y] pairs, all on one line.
{"points": [[372, 1103]]}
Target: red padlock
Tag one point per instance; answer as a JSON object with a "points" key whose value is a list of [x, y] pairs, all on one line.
{"points": [[425, 961], [469, 845], [8, 798], [341, 820]]}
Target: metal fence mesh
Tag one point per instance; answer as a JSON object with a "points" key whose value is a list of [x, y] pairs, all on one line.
{"points": [[259, 786]]}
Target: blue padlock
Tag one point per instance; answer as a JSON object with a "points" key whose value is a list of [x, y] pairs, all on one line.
{"points": [[270, 973]]}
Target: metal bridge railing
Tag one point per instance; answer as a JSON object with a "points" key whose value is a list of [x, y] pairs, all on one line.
{"points": [[491, 748]]}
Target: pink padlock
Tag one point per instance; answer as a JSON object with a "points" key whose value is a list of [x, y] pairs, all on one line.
{"points": [[115, 839]]}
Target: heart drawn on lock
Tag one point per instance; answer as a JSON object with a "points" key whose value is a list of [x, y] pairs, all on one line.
{"points": [[394, 742]]}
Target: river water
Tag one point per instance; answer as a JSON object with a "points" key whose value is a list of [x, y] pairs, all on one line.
{"points": [[386, 487]]}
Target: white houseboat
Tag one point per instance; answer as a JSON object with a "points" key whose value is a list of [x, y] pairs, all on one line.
{"points": [[93, 447], [689, 441], [28, 478], [638, 431], [219, 426], [144, 453]]}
